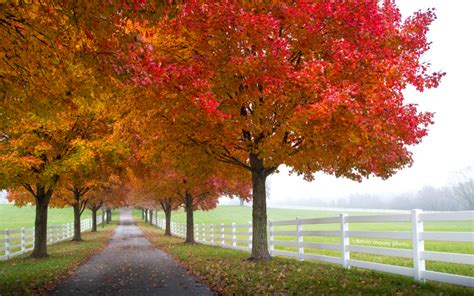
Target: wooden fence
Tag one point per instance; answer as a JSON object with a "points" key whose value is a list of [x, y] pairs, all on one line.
{"points": [[20, 241], [239, 236]]}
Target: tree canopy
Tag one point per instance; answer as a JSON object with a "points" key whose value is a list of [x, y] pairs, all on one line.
{"points": [[205, 98]]}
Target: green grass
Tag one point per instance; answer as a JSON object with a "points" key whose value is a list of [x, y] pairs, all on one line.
{"points": [[26, 276], [227, 272], [240, 215], [12, 217]]}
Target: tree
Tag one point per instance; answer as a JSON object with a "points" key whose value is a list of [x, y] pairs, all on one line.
{"points": [[462, 188], [33, 157], [316, 86], [48, 62]]}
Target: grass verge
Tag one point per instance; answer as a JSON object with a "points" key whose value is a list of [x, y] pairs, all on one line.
{"points": [[26, 276], [227, 272]]}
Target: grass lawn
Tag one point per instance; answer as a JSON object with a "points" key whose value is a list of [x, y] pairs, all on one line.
{"points": [[227, 272], [240, 215], [12, 217], [26, 276]]}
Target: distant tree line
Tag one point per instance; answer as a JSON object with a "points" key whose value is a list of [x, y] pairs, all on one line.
{"points": [[458, 195]]}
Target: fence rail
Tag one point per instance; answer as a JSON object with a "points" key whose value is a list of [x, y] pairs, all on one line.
{"points": [[226, 235], [20, 241]]}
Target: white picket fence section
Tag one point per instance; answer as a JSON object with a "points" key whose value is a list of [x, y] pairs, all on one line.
{"points": [[225, 235], [20, 241]]}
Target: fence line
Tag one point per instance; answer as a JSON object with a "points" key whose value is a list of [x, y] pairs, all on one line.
{"points": [[225, 235], [337, 209], [21, 241]]}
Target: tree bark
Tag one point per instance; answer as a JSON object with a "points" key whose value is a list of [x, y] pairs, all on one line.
{"points": [[151, 216], [146, 215], [143, 214], [77, 215], [168, 221], [189, 218], [103, 218], [41, 223], [109, 215], [94, 219], [259, 210], [77, 222]]}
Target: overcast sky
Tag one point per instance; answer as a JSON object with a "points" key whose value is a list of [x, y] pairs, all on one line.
{"points": [[450, 143]]}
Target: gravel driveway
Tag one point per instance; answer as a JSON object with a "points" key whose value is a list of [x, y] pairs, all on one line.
{"points": [[130, 265]]}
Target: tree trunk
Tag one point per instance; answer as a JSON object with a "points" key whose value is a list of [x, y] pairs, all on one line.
{"points": [[151, 216], [146, 215], [103, 218], [94, 219], [259, 210], [168, 221], [41, 224], [189, 218], [241, 202], [143, 214], [77, 215], [109, 215], [77, 222]]}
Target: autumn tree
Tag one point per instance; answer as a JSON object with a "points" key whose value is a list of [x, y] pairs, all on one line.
{"points": [[316, 86]]}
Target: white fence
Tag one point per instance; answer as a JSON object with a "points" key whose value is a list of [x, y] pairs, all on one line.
{"points": [[20, 241], [230, 236]]}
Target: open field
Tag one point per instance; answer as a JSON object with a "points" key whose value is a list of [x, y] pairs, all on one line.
{"points": [[239, 215], [26, 276], [12, 217], [227, 272]]}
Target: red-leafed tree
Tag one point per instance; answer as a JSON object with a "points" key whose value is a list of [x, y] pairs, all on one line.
{"points": [[313, 85], [194, 180]]}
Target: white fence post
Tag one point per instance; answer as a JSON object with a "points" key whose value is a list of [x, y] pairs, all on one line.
{"points": [[345, 254], [418, 245], [212, 233], [271, 246], [196, 230], [299, 239], [203, 233], [23, 241], [7, 243], [250, 236], [222, 235], [234, 237]]}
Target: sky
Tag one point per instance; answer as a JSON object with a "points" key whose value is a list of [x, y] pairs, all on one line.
{"points": [[449, 146]]}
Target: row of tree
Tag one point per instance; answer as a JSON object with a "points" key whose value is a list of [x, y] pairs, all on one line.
{"points": [[175, 103], [458, 195]]}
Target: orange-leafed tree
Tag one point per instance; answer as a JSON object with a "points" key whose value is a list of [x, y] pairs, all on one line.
{"points": [[84, 183], [187, 177], [46, 81], [109, 191], [316, 86], [195, 180]]}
